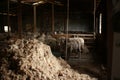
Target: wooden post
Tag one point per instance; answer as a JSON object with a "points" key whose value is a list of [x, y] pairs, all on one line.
{"points": [[67, 25], [34, 11], [20, 20], [94, 18], [8, 17], [53, 18], [109, 36]]}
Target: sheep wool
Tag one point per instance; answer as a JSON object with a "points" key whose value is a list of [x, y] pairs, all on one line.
{"points": [[24, 59]]}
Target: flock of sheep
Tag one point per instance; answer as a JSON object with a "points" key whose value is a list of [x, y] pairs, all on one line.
{"points": [[74, 44]]}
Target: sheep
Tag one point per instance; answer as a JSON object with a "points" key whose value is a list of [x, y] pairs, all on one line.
{"points": [[76, 45]]}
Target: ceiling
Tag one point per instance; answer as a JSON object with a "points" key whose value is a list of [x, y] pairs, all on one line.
{"points": [[82, 5], [74, 5]]}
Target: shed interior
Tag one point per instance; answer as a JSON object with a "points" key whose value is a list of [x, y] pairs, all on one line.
{"points": [[77, 31]]}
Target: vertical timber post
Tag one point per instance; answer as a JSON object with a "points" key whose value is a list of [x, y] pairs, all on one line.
{"points": [[67, 25], [94, 13], [109, 36], [8, 16], [19, 19], [53, 18], [34, 12]]}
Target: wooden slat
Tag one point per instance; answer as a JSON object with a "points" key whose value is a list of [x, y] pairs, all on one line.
{"points": [[85, 36]]}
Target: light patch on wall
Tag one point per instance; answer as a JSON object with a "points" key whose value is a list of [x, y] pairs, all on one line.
{"points": [[7, 29], [100, 24]]}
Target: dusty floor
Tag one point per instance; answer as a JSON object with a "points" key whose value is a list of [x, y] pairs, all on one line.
{"points": [[89, 67]]}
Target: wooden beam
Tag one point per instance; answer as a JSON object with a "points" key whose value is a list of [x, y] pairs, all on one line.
{"points": [[67, 26], [109, 36], [34, 29], [19, 12], [94, 18], [52, 18], [8, 17]]}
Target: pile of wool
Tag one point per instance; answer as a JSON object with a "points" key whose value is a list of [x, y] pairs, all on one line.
{"points": [[30, 59]]}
